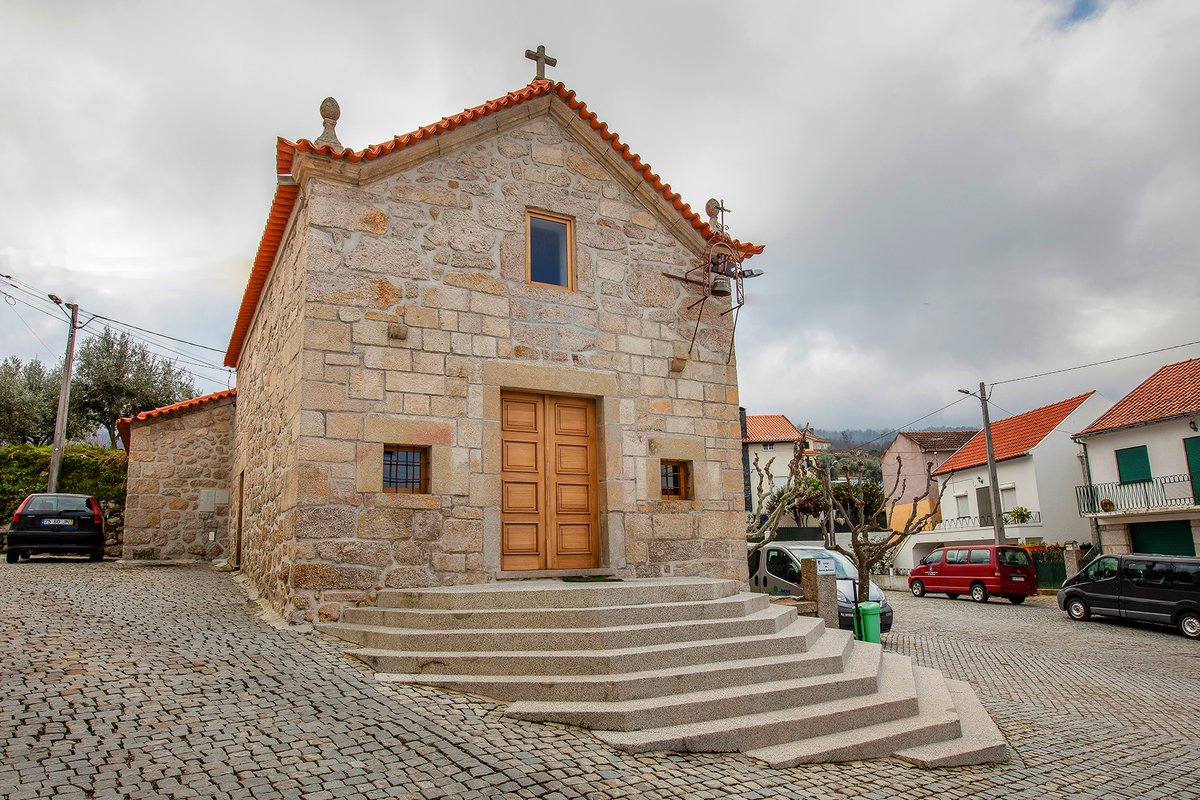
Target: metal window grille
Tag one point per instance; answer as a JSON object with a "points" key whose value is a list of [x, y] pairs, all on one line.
{"points": [[674, 480], [405, 469]]}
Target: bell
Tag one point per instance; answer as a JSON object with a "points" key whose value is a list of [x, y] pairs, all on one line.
{"points": [[720, 286]]}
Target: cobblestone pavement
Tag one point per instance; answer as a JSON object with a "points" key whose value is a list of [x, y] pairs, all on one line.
{"points": [[162, 682]]}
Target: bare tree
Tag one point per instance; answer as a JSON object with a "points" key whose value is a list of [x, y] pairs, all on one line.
{"points": [[860, 505], [856, 502], [777, 502]]}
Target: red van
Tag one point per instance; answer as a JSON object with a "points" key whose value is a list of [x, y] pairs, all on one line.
{"points": [[980, 570]]}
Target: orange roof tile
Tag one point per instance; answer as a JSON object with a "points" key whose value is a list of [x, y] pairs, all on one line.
{"points": [[1014, 436], [124, 423], [1172, 391], [285, 196], [770, 428]]}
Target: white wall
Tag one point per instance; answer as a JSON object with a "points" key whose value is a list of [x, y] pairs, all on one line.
{"points": [[1164, 445], [1018, 472], [779, 467], [1060, 470]]}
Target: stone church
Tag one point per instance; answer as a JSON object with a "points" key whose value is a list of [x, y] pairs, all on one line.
{"points": [[491, 348]]}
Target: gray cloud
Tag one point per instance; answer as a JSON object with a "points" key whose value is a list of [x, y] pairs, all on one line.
{"points": [[948, 191]]}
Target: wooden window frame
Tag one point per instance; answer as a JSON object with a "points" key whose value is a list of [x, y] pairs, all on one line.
{"points": [[422, 486], [684, 477], [530, 213]]}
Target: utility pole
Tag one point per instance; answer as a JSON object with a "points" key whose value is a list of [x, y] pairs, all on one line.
{"points": [[997, 510], [64, 399]]}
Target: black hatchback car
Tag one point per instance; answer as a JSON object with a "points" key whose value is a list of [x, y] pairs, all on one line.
{"points": [[56, 523]]}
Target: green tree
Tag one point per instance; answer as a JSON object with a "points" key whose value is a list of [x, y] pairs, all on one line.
{"points": [[116, 376], [28, 401]]}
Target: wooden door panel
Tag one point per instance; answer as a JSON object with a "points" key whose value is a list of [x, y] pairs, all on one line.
{"points": [[572, 459], [572, 475], [548, 476], [574, 539], [521, 498], [521, 413], [519, 456], [571, 417], [574, 498], [522, 482]]}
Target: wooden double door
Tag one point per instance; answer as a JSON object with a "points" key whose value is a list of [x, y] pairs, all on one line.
{"points": [[549, 515]]}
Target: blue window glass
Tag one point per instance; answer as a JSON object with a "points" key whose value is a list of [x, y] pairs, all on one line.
{"points": [[549, 256]]}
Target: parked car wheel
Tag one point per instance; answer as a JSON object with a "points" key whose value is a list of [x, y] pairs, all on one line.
{"points": [[1016, 599], [917, 588], [11, 556], [1189, 624], [979, 593], [952, 595], [1078, 610]]}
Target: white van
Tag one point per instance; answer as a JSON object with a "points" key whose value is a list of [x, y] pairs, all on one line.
{"points": [[775, 569]]}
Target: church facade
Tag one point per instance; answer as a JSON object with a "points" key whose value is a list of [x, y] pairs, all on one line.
{"points": [[475, 353]]}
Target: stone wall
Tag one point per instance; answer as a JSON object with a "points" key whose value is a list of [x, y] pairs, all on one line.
{"points": [[172, 460], [439, 247], [263, 480]]}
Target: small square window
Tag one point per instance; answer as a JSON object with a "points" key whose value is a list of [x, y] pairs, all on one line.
{"points": [[768, 446], [550, 249], [406, 470], [676, 480]]}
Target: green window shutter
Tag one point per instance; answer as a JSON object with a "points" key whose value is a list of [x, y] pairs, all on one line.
{"points": [[1133, 464]]}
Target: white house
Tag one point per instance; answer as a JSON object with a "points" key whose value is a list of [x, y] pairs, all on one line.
{"points": [[1143, 463], [1038, 466], [772, 436]]}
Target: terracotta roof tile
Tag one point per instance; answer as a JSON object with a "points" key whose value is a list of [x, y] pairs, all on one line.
{"points": [[770, 428], [1172, 391], [285, 196], [1014, 436], [124, 423], [940, 441]]}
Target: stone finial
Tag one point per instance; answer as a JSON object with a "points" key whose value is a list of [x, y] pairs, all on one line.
{"points": [[716, 211], [330, 112]]}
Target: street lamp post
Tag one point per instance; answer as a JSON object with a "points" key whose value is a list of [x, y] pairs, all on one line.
{"points": [[997, 510]]}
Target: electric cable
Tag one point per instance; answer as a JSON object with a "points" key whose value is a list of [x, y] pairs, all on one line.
{"points": [[1096, 363]]}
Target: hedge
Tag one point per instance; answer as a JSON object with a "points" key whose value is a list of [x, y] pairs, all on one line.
{"points": [[86, 469]]}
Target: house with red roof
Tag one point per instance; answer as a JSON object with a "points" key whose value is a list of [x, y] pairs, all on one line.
{"points": [[491, 347], [1142, 487], [773, 436], [1037, 467], [906, 465]]}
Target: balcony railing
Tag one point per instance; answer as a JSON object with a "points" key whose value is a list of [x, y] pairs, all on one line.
{"points": [[1168, 491], [985, 521]]}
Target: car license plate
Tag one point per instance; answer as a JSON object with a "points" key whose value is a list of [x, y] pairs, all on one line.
{"points": [[58, 522], [1018, 577]]}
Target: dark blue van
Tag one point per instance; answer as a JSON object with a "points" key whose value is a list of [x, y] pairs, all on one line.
{"points": [[1151, 588]]}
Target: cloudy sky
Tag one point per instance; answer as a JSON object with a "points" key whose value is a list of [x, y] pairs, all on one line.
{"points": [[949, 191]]}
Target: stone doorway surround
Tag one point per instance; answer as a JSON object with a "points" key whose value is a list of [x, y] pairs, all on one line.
{"points": [[562, 381]]}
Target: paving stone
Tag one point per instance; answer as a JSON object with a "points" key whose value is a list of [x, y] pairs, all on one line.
{"points": [[146, 682]]}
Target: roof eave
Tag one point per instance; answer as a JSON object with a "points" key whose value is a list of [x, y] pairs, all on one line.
{"points": [[1084, 434]]}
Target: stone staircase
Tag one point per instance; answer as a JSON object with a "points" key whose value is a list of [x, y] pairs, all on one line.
{"points": [[685, 664]]}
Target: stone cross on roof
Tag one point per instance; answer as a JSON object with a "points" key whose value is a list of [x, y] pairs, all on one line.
{"points": [[542, 60]]}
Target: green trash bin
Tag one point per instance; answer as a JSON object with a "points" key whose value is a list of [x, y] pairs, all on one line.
{"points": [[866, 622]]}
